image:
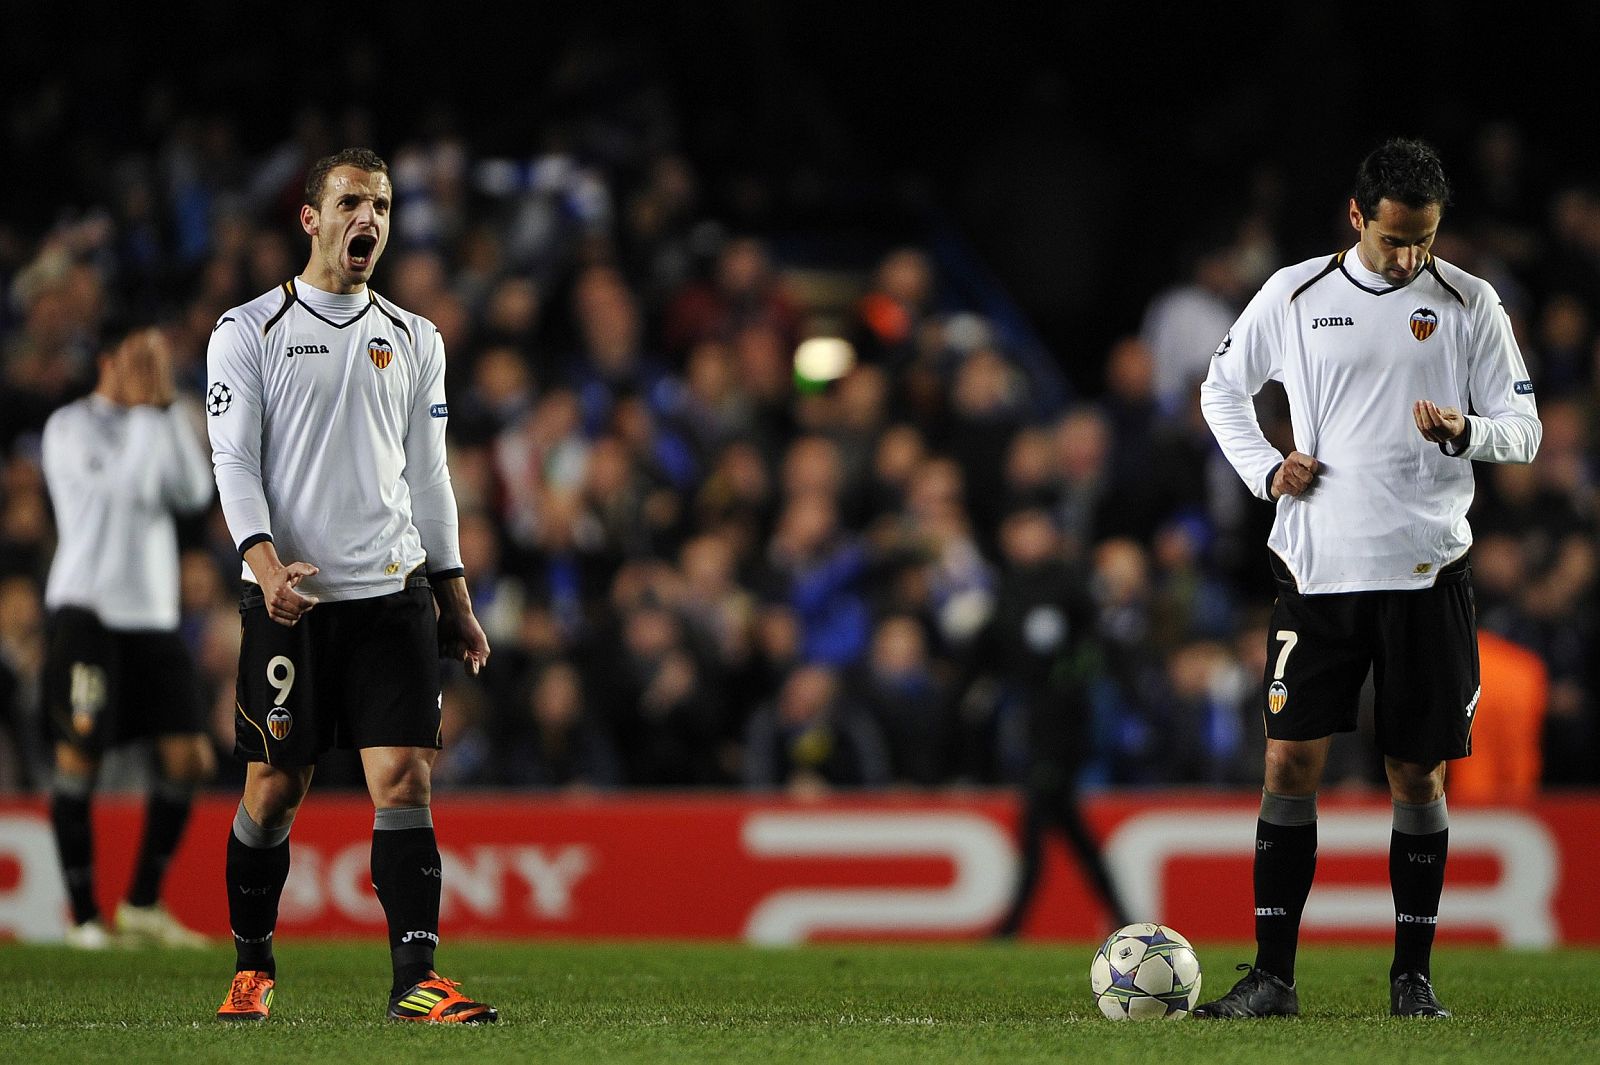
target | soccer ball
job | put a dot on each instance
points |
(1143, 972)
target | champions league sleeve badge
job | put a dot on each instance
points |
(219, 397)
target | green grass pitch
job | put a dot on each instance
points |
(653, 1002)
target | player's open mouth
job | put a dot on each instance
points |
(361, 249)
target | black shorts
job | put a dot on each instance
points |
(358, 673)
(104, 688)
(1421, 646)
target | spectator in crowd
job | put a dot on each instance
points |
(21, 661)
(898, 689)
(560, 747)
(744, 291)
(816, 570)
(892, 311)
(811, 741)
(650, 691)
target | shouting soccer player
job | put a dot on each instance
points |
(1381, 349)
(327, 415)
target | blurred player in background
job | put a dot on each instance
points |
(327, 415)
(1042, 642)
(119, 464)
(1381, 349)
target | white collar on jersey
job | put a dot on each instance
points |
(334, 305)
(1357, 271)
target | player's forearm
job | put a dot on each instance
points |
(433, 512)
(244, 503)
(1510, 436)
(263, 560)
(452, 595)
(1232, 418)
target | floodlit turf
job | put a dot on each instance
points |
(680, 1003)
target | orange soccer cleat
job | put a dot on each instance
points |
(249, 999)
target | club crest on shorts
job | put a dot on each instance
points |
(381, 352)
(1423, 322)
(279, 722)
(1277, 697)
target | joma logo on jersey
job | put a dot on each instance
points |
(1325, 323)
(305, 349)
(380, 351)
(1424, 321)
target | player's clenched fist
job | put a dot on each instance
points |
(1295, 475)
(285, 603)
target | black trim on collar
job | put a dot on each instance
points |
(1378, 291)
(1333, 264)
(288, 301)
(392, 317)
(337, 325)
(1432, 268)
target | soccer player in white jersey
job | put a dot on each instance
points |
(327, 417)
(119, 464)
(1400, 371)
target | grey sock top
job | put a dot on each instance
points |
(1288, 810)
(253, 835)
(1421, 818)
(395, 818)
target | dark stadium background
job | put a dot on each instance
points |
(1063, 167)
(1064, 163)
(1079, 147)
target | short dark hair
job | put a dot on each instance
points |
(360, 158)
(120, 324)
(1404, 170)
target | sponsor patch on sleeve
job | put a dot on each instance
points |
(1523, 388)
(440, 410)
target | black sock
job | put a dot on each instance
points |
(1286, 861)
(166, 814)
(69, 816)
(407, 878)
(256, 871)
(1416, 876)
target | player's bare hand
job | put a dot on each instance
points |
(462, 639)
(1442, 425)
(1295, 476)
(286, 604)
(144, 366)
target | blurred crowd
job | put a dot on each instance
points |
(700, 568)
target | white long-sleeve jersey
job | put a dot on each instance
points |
(1388, 509)
(327, 417)
(116, 476)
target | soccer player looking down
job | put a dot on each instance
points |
(1383, 350)
(327, 415)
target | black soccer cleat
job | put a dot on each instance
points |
(439, 1001)
(1411, 995)
(1257, 994)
